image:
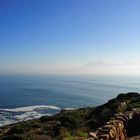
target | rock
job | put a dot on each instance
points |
(92, 135)
(104, 137)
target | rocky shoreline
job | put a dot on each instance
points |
(114, 120)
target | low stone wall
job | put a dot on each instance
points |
(115, 128)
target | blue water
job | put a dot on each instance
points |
(32, 91)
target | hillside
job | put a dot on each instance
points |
(76, 124)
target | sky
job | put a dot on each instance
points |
(70, 36)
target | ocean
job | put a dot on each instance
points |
(24, 97)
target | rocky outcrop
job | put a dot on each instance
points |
(116, 127)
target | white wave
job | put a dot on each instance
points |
(31, 108)
(22, 117)
(69, 108)
(14, 115)
(30, 115)
(6, 122)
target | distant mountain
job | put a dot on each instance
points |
(100, 67)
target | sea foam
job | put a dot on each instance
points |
(14, 115)
(31, 108)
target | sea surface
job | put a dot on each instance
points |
(24, 97)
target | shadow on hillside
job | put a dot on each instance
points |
(133, 127)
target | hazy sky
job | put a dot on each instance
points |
(42, 35)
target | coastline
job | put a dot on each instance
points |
(71, 124)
